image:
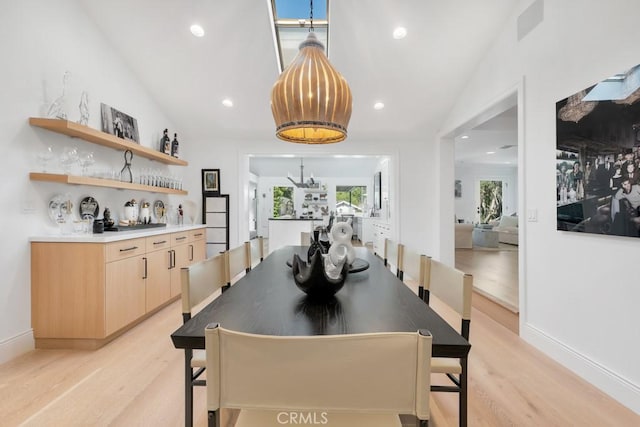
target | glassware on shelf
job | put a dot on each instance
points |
(86, 159)
(44, 157)
(68, 158)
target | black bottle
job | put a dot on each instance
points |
(174, 145)
(165, 143)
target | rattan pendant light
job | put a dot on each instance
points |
(311, 101)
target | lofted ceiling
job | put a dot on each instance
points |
(492, 142)
(418, 78)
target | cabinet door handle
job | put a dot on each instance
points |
(181, 238)
(145, 267)
(132, 248)
(160, 242)
(198, 234)
(170, 260)
(173, 253)
(191, 254)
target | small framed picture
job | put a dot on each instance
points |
(211, 182)
(458, 188)
(119, 124)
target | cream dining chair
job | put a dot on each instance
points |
(391, 255)
(454, 288)
(305, 238)
(199, 282)
(238, 261)
(412, 268)
(336, 380)
(256, 251)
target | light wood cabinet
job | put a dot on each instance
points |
(158, 274)
(85, 294)
(125, 293)
(187, 248)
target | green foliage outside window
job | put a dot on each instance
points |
(355, 196)
(490, 200)
(282, 201)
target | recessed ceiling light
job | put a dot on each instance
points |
(464, 137)
(197, 30)
(227, 102)
(491, 152)
(399, 33)
(378, 105)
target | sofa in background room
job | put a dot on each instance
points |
(507, 228)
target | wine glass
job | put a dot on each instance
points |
(44, 157)
(68, 158)
(86, 159)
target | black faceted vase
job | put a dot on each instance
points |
(312, 279)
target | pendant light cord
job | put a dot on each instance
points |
(311, 16)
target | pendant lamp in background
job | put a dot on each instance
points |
(311, 101)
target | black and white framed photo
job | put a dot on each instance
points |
(119, 124)
(458, 189)
(211, 182)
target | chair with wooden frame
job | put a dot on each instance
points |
(412, 268)
(327, 379)
(391, 255)
(454, 288)
(199, 281)
(237, 261)
(305, 238)
(256, 251)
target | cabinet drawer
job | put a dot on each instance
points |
(195, 235)
(179, 238)
(125, 249)
(155, 243)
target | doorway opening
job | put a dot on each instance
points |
(486, 163)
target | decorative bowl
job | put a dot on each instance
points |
(312, 278)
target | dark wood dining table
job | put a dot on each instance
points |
(267, 301)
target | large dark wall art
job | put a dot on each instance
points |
(598, 157)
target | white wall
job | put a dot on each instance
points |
(471, 174)
(39, 41)
(576, 305)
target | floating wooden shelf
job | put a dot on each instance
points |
(76, 130)
(98, 182)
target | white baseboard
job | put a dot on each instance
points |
(619, 388)
(16, 346)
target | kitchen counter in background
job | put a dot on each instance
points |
(113, 236)
(286, 231)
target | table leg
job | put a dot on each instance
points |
(463, 392)
(188, 388)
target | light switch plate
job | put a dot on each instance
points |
(532, 215)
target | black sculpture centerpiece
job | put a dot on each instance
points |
(314, 280)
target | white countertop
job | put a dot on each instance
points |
(113, 236)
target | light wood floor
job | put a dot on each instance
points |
(137, 381)
(495, 273)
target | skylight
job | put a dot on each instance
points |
(291, 19)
